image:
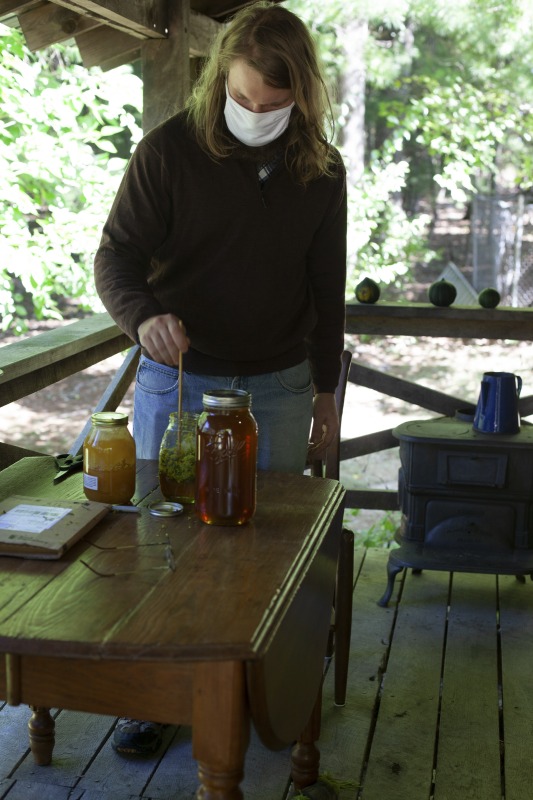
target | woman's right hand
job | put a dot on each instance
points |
(164, 337)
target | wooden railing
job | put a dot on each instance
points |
(37, 362)
(33, 363)
(420, 319)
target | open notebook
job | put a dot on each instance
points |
(32, 527)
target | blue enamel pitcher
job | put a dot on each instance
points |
(497, 407)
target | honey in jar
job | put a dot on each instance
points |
(226, 472)
(109, 459)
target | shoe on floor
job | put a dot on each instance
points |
(138, 738)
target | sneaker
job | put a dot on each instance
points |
(138, 738)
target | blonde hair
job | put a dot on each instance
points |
(276, 43)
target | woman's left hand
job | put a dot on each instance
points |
(325, 425)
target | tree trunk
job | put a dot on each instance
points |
(353, 38)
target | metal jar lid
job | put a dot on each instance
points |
(164, 508)
(226, 398)
(109, 418)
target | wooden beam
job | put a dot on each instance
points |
(202, 31)
(114, 393)
(11, 453)
(166, 69)
(405, 390)
(107, 48)
(144, 18)
(17, 6)
(367, 444)
(36, 362)
(221, 9)
(455, 322)
(377, 499)
(50, 23)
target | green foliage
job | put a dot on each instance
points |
(462, 129)
(379, 534)
(62, 153)
(447, 112)
(383, 241)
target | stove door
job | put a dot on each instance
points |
(470, 525)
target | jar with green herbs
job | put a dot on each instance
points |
(177, 458)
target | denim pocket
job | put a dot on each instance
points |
(296, 379)
(155, 378)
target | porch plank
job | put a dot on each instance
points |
(14, 743)
(468, 761)
(401, 752)
(5, 787)
(345, 730)
(77, 737)
(516, 625)
(123, 778)
(38, 791)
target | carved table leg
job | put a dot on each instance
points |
(220, 729)
(41, 728)
(305, 757)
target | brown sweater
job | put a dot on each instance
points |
(256, 274)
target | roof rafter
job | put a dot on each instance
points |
(143, 18)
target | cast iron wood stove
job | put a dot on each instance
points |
(466, 500)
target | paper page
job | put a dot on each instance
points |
(32, 519)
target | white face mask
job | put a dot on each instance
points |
(255, 129)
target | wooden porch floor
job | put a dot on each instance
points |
(440, 707)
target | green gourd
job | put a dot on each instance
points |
(367, 291)
(442, 293)
(489, 297)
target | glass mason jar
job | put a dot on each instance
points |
(109, 459)
(226, 474)
(177, 458)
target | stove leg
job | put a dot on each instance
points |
(520, 578)
(392, 571)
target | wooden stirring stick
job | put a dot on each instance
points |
(180, 368)
(180, 371)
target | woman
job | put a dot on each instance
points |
(227, 243)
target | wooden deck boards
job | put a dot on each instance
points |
(439, 707)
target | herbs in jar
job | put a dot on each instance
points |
(177, 458)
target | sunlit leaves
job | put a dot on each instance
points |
(65, 135)
(449, 88)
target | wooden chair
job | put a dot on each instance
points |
(340, 633)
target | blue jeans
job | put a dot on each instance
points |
(282, 404)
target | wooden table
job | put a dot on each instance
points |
(236, 633)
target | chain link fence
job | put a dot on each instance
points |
(502, 247)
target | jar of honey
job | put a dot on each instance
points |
(177, 458)
(109, 459)
(226, 472)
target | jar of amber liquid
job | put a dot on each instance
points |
(226, 471)
(109, 459)
(177, 458)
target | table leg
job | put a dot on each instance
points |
(220, 729)
(42, 739)
(305, 758)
